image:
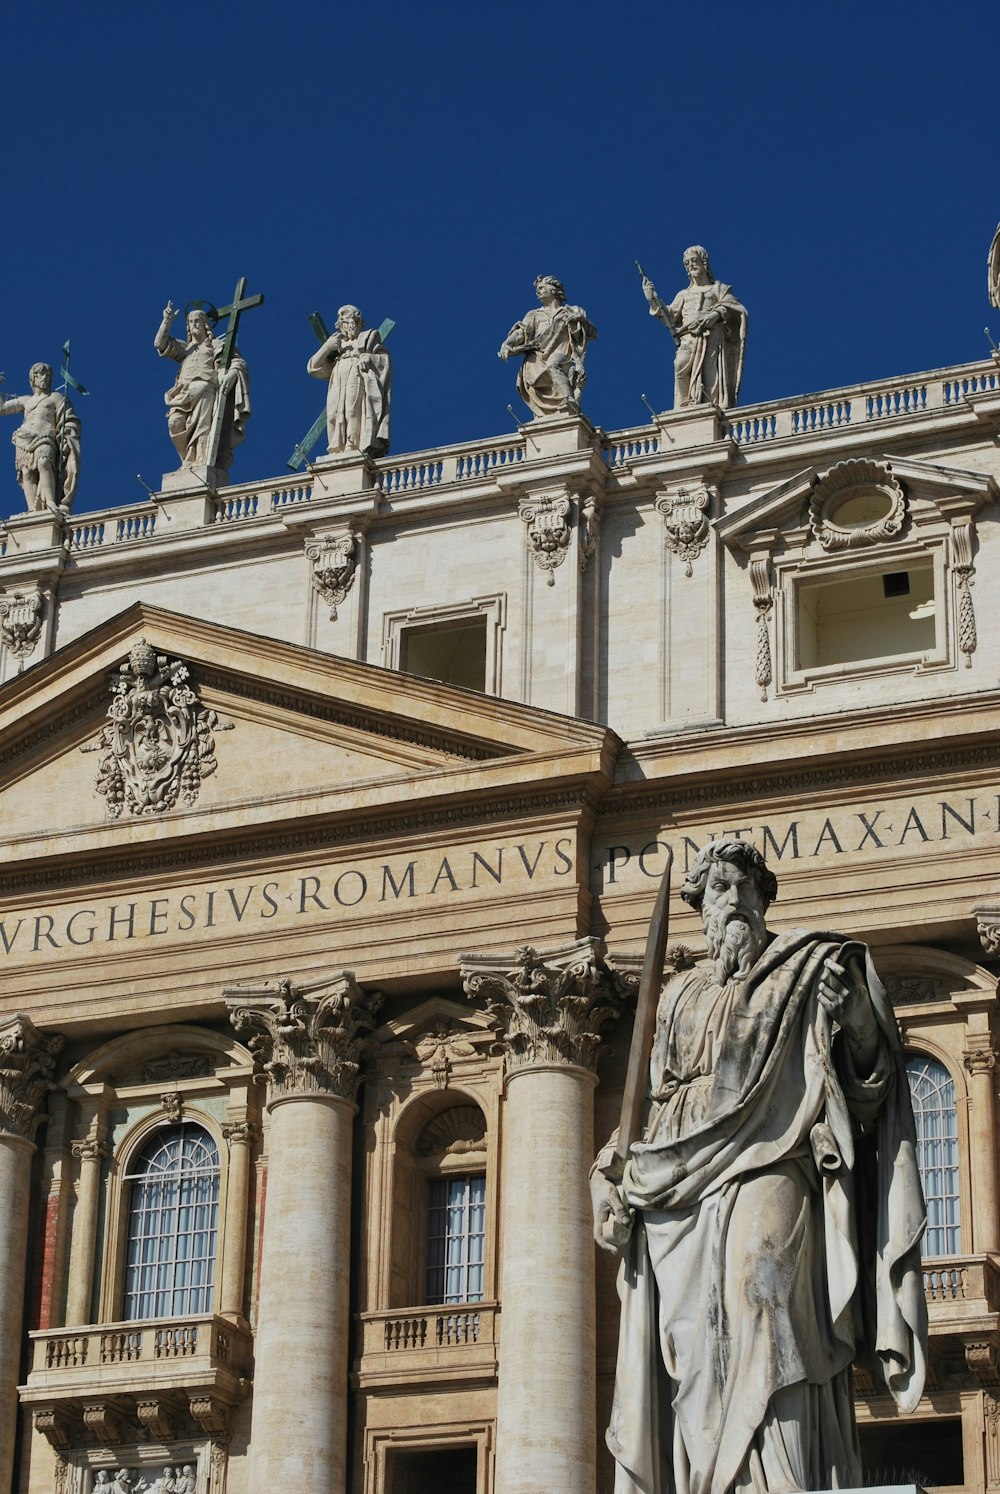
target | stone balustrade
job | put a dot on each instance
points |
(429, 1343)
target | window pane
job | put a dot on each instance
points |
(933, 1093)
(172, 1225)
(456, 1225)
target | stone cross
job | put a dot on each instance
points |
(240, 303)
(300, 455)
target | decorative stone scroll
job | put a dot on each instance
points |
(22, 614)
(158, 745)
(548, 531)
(27, 1064)
(987, 916)
(548, 1008)
(836, 510)
(332, 564)
(306, 1042)
(964, 570)
(685, 519)
(590, 529)
(763, 600)
(979, 1061)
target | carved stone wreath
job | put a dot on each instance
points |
(837, 486)
(158, 745)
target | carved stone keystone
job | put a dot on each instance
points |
(27, 1064)
(306, 1041)
(551, 1007)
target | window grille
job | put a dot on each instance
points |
(933, 1093)
(173, 1217)
(456, 1233)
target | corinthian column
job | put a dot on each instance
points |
(308, 1043)
(550, 1010)
(981, 1066)
(27, 1062)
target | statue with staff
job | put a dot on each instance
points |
(764, 1194)
(209, 403)
(709, 328)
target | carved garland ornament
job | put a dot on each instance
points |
(332, 562)
(685, 519)
(964, 570)
(21, 617)
(158, 745)
(548, 532)
(308, 1044)
(763, 601)
(590, 530)
(835, 489)
(549, 1009)
(27, 1064)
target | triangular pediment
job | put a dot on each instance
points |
(784, 507)
(155, 725)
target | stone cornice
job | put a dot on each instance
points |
(548, 1008)
(27, 1064)
(306, 1041)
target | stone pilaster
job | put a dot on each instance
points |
(980, 1064)
(549, 1010)
(90, 1153)
(240, 1137)
(27, 1066)
(308, 1044)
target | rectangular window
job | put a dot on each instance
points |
(873, 615)
(454, 654)
(456, 1234)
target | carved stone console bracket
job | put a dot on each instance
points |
(214, 1416)
(333, 560)
(54, 1426)
(27, 1065)
(158, 745)
(987, 916)
(982, 1360)
(306, 1040)
(548, 531)
(964, 570)
(685, 520)
(763, 600)
(159, 1418)
(103, 1422)
(551, 1007)
(22, 614)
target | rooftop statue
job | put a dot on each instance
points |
(359, 394)
(709, 326)
(46, 444)
(552, 340)
(209, 404)
(770, 1210)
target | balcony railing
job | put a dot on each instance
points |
(430, 1343)
(197, 1353)
(962, 1292)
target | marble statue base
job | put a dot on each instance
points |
(191, 477)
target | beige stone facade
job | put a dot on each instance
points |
(308, 783)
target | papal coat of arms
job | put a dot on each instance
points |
(157, 745)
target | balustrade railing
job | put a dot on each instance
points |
(432, 1329)
(203, 1343)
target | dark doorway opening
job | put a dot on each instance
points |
(928, 1453)
(441, 1470)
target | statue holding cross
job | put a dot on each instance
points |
(209, 404)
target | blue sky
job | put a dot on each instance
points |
(427, 161)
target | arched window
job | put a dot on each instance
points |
(173, 1217)
(933, 1092)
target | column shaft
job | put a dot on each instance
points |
(299, 1427)
(984, 1155)
(80, 1287)
(15, 1184)
(546, 1398)
(235, 1238)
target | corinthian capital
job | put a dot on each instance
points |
(305, 1040)
(27, 1063)
(979, 1060)
(548, 1008)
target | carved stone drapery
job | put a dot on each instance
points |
(158, 745)
(548, 1008)
(685, 519)
(964, 570)
(836, 488)
(548, 531)
(306, 1041)
(763, 600)
(590, 530)
(27, 1065)
(22, 614)
(332, 561)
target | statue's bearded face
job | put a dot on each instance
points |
(732, 915)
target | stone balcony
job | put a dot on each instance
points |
(165, 1374)
(429, 1345)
